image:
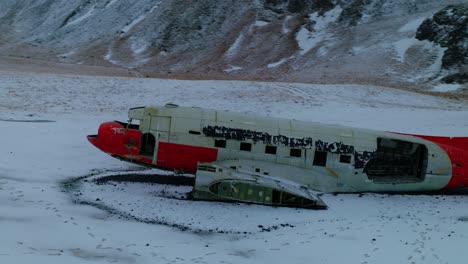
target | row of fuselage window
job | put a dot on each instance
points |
(320, 157)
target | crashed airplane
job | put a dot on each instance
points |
(263, 160)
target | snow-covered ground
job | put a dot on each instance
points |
(44, 119)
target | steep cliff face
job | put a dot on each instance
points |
(449, 29)
(291, 40)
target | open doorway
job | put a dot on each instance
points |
(397, 161)
(148, 143)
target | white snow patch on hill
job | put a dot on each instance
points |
(445, 87)
(402, 46)
(67, 54)
(109, 56)
(133, 23)
(260, 23)
(231, 52)
(278, 63)
(307, 39)
(436, 64)
(323, 21)
(111, 3)
(285, 28)
(138, 47)
(233, 68)
(83, 17)
(412, 25)
(138, 19)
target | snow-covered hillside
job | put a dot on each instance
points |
(44, 119)
(328, 41)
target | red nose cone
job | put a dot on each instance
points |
(93, 140)
(110, 138)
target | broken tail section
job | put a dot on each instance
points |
(457, 150)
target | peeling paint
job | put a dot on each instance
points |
(335, 147)
(263, 137)
(118, 130)
(360, 159)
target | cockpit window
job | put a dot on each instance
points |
(133, 124)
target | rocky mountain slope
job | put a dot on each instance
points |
(415, 42)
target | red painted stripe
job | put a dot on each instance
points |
(183, 157)
(457, 150)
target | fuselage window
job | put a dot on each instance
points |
(295, 153)
(133, 124)
(148, 143)
(320, 158)
(270, 150)
(220, 143)
(345, 158)
(245, 146)
(193, 132)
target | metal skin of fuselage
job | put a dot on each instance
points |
(319, 157)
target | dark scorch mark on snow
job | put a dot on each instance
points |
(26, 121)
(145, 178)
(73, 187)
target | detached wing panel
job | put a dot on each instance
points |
(215, 182)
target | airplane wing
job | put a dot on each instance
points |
(215, 181)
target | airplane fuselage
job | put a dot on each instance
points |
(324, 158)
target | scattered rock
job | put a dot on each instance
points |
(461, 77)
(448, 29)
(354, 12)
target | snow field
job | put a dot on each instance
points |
(40, 222)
